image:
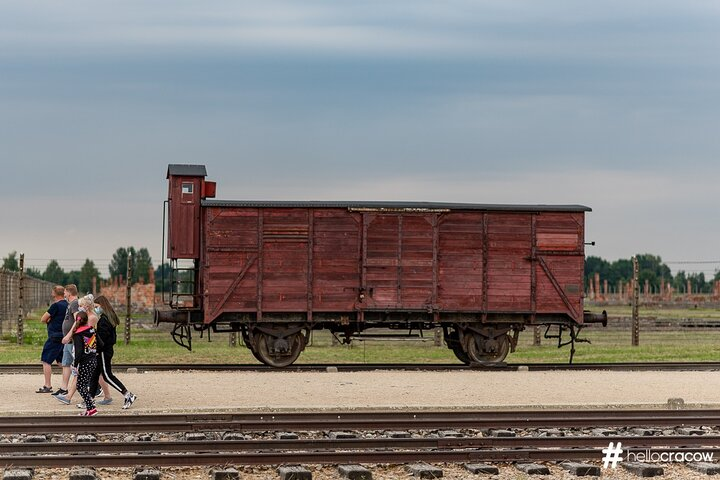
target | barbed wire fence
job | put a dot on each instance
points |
(19, 295)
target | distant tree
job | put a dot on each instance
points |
(143, 264)
(162, 278)
(595, 265)
(73, 276)
(118, 264)
(652, 269)
(680, 281)
(33, 272)
(87, 272)
(11, 262)
(54, 273)
(698, 283)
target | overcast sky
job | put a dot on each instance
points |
(613, 104)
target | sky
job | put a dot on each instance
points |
(614, 105)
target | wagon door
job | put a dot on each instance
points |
(398, 261)
(559, 265)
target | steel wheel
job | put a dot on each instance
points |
(278, 352)
(453, 341)
(483, 350)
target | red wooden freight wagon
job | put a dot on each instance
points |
(276, 270)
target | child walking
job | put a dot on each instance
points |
(86, 343)
(106, 329)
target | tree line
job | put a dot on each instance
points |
(83, 278)
(650, 268)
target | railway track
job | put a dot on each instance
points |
(420, 420)
(361, 367)
(377, 448)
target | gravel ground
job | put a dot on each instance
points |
(166, 392)
(380, 472)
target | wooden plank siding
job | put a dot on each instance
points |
(306, 260)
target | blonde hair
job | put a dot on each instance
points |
(71, 289)
(87, 302)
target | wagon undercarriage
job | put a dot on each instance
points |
(279, 343)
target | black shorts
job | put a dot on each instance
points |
(52, 351)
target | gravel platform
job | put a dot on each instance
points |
(188, 391)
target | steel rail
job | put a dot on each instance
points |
(321, 457)
(362, 367)
(420, 420)
(324, 444)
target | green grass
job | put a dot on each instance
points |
(154, 345)
(666, 312)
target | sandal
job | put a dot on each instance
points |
(44, 389)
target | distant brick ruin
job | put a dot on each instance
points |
(142, 297)
(621, 293)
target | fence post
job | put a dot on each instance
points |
(537, 336)
(635, 305)
(128, 299)
(3, 310)
(20, 324)
(437, 337)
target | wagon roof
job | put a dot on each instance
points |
(176, 169)
(418, 206)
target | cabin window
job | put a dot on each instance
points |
(187, 188)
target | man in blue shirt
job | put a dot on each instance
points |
(53, 348)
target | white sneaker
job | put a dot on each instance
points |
(129, 400)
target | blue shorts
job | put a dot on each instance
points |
(68, 355)
(52, 351)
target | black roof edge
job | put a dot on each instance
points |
(419, 206)
(184, 170)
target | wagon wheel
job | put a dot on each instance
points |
(486, 350)
(249, 345)
(453, 341)
(278, 352)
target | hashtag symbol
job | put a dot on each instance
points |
(612, 455)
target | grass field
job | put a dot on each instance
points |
(154, 345)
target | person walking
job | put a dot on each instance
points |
(86, 343)
(85, 304)
(71, 296)
(52, 351)
(107, 331)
